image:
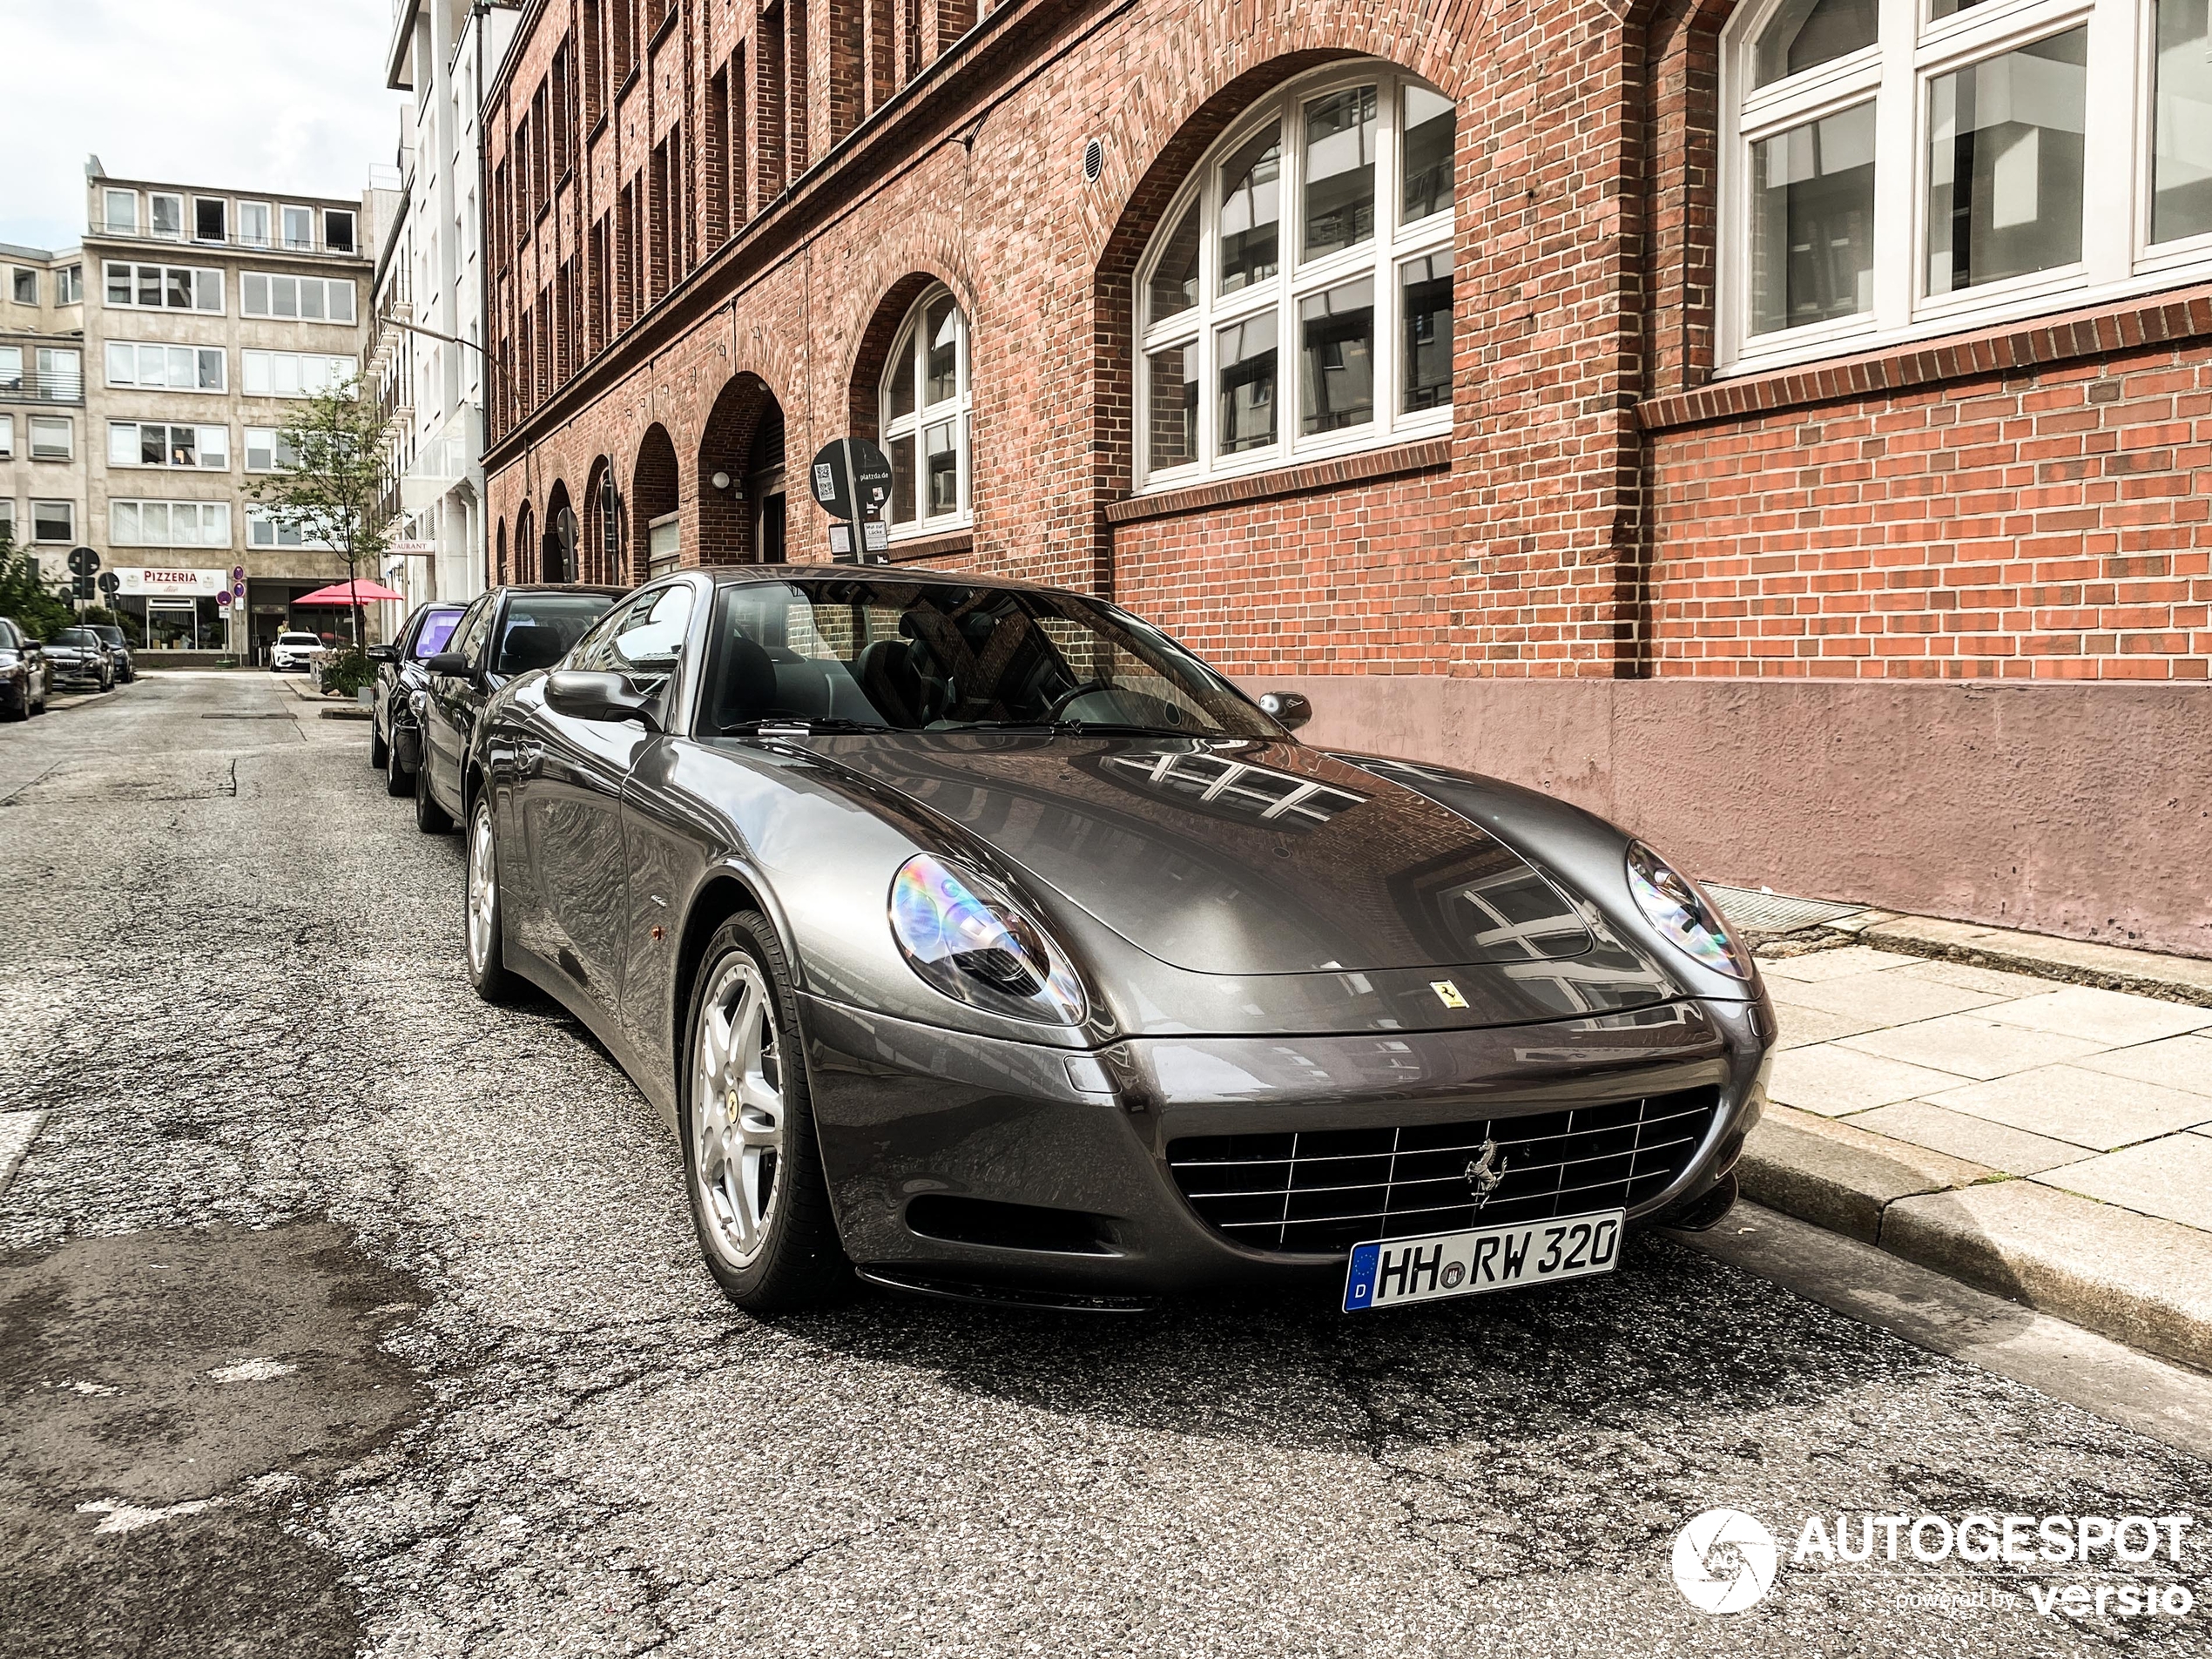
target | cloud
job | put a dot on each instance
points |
(254, 95)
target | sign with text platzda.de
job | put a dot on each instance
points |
(156, 582)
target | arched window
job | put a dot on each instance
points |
(1297, 302)
(925, 406)
(1892, 171)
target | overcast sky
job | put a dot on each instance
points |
(275, 95)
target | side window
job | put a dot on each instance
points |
(647, 644)
(595, 652)
(436, 630)
(475, 626)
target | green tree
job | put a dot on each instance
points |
(27, 595)
(329, 486)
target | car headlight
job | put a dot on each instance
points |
(1678, 907)
(963, 933)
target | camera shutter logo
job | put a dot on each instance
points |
(1724, 1561)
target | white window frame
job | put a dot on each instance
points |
(267, 437)
(7, 437)
(2117, 261)
(331, 287)
(324, 215)
(8, 517)
(267, 237)
(334, 370)
(66, 536)
(109, 200)
(1380, 257)
(211, 521)
(134, 446)
(68, 284)
(206, 281)
(15, 274)
(909, 355)
(223, 202)
(68, 426)
(154, 199)
(264, 531)
(195, 353)
(283, 237)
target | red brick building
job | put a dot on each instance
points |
(1785, 426)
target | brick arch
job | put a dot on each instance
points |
(560, 516)
(744, 406)
(498, 572)
(656, 487)
(594, 563)
(871, 350)
(526, 566)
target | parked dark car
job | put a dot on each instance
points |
(505, 632)
(118, 648)
(81, 657)
(980, 938)
(26, 675)
(396, 739)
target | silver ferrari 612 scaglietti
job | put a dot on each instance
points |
(976, 938)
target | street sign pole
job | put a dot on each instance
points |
(851, 479)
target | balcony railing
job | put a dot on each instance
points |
(272, 243)
(29, 385)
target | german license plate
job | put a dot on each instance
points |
(1392, 1272)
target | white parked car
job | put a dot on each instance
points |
(294, 651)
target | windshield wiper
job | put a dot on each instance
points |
(799, 726)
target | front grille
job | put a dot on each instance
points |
(1328, 1190)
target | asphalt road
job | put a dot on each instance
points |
(340, 1312)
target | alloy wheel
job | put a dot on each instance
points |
(737, 1114)
(484, 888)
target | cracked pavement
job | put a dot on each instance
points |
(340, 1312)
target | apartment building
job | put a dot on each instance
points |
(1742, 418)
(209, 313)
(42, 431)
(426, 363)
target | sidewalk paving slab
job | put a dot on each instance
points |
(2170, 1178)
(1973, 1045)
(1977, 1140)
(2091, 1109)
(1831, 1080)
(2113, 1018)
(2171, 1063)
(1887, 997)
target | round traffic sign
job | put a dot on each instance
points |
(238, 574)
(223, 600)
(851, 478)
(110, 582)
(83, 561)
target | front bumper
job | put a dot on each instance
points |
(962, 1159)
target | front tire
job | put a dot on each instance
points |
(430, 818)
(751, 1164)
(379, 753)
(487, 953)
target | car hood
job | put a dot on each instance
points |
(1237, 857)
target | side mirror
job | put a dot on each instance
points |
(1289, 709)
(446, 662)
(383, 654)
(583, 695)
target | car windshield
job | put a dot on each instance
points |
(298, 639)
(80, 636)
(113, 635)
(540, 628)
(437, 628)
(878, 654)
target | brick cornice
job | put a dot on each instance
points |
(2125, 326)
(1424, 456)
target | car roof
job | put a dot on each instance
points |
(509, 588)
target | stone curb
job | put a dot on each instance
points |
(2134, 1278)
(2110, 968)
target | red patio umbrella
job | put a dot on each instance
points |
(348, 593)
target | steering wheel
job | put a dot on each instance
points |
(1071, 694)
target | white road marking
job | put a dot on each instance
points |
(18, 1130)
